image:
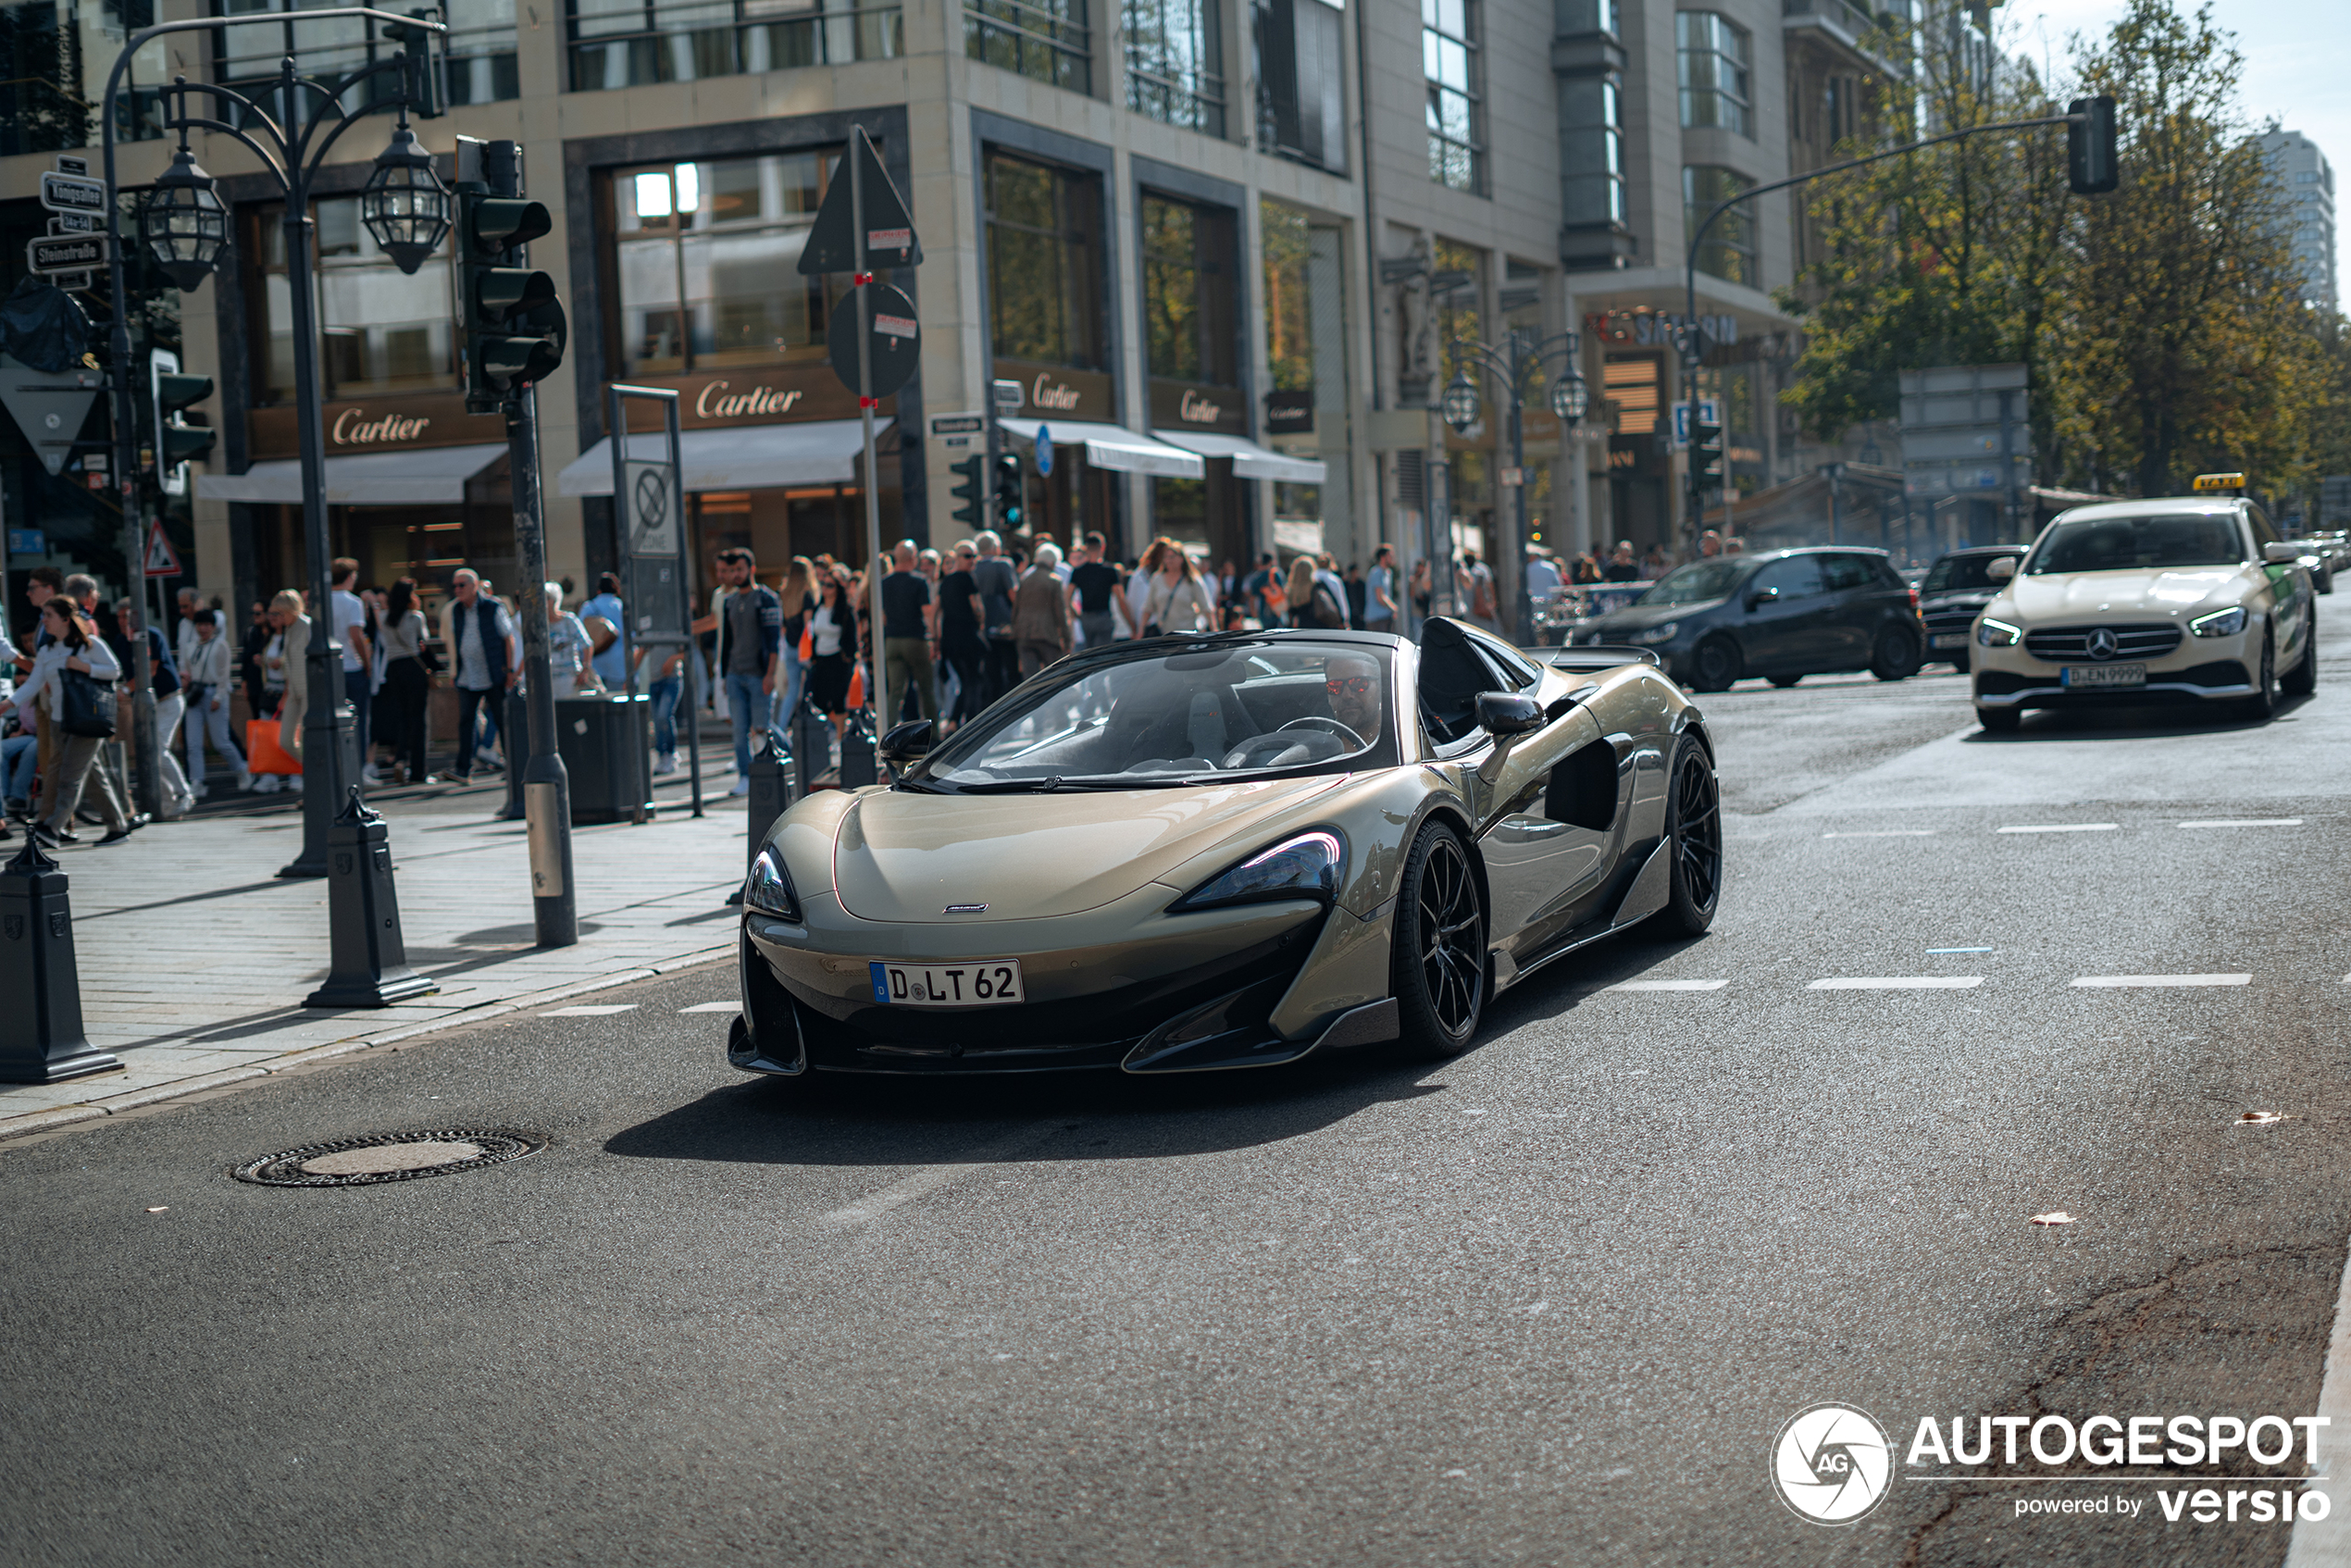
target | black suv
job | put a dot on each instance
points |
(1956, 589)
(1782, 615)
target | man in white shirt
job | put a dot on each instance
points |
(349, 626)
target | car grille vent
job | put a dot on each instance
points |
(2149, 641)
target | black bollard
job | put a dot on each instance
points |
(369, 965)
(812, 744)
(773, 780)
(858, 766)
(46, 1045)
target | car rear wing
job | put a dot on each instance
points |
(1592, 656)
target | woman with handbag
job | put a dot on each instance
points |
(72, 679)
(408, 683)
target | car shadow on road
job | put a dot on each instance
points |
(2133, 722)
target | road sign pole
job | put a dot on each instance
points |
(865, 401)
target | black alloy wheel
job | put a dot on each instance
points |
(2304, 678)
(1783, 681)
(1715, 666)
(1694, 831)
(1439, 971)
(2262, 706)
(1896, 658)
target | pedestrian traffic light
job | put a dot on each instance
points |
(1010, 493)
(2090, 164)
(968, 492)
(1705, 447)
(514, 326)
(177, 441)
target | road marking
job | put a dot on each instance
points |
(2247, 821)
(1887, 833)
(2111, 981)
(588, 1011)
(2063, 828)
(1668, 986)
(898, 1194)
(2326, 1543)
(1900, 983)
(714, 1007)
(1935, 949)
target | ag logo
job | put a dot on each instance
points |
(1832, 1464)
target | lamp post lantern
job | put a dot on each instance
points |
(1516, 363)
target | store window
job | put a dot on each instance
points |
(382, 331)
(1286, 241)
(1044, 40)
(1189, 309)
(1715, 63)
(627, 43)
(707, 262)
(1729, 250)
(1175, 63)
(1448, 62)
(1044, 264)
(479, 44)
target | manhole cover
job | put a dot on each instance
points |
(392, 1156)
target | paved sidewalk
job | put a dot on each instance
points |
(194, 957)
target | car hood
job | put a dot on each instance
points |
(1958, 598)
(1640, 618)
(2165, 594)
(899, 855)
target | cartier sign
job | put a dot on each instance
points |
(720, 400)
(355, 427)
(750, 395)
(404, 423)
(1186, 405)
(1050, 391)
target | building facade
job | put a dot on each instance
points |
(2305, 185)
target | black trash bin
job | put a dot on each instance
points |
(606, 743)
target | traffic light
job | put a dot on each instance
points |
(968, 492)
(177, 441)
(1010, 493)
(512, 325)
(2090, 164)
(1705, 447)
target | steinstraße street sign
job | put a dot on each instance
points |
(65, 252)
(890, 230)
(72, 193)
(897, 340)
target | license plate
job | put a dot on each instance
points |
(1947, 639)
(988, 983)
(2103, 675)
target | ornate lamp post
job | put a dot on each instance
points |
(1515, 364)
(184, 226)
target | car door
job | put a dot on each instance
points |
(1859, 599)
(2289, 590)
(1785, 624)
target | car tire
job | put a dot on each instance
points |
(1783, 681)
(1694, 841)
(1999, 721)
(1439, 969)
(1896, 658)
(2262, 706)
(2304, 679)
(1960, 663)
(1715, 666)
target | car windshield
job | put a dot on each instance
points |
(2158, 542)
(1696, 583)
(1958, 574)
(1178, 714)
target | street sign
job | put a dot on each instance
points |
(1712, 409)
(1512, 478)
(73, 223)
(1044, 449)
(49, 406)
(28, 541)
(652, 522)
(1008, 396)
(65, 252)
(73, 282)
(72, 193)
(890, 230)
(958, 424)
(896, 340)
(162, 559)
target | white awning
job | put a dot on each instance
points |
(424, 477)
(737, 457)
(1114, 446)
(1251, 461)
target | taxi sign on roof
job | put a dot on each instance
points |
(2218, 482)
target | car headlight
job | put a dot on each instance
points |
(1305, 867)
(1997, 634)
(768, 889)
(1656, 633)
(2220, 623)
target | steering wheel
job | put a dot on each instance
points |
(1316, 721)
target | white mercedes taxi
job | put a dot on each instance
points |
(2193, 599)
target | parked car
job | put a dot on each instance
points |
(2318, 558)
(1954, 590)
(1782, 615)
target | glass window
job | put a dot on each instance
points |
(1842, 573)
(2164, 540)
(1286, 239)
(1797, 577)
(1592, 148)
(1958, 574)
(1188, 317)
(382, 331)
(480, 45)
(626, 43)
(1448, 62)
(1301, 81)
(1046, 40)
(1044, 263)
(1729, 251)
(1700, 582)
(705, 260)
(1175, 63)
(1715, 59)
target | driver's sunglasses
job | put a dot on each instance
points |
(1348, 685)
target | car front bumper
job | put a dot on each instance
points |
(2201, 669)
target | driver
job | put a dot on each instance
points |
(1352, 683)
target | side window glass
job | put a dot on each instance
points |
(1512, 673)
(1799, 577)
(1451, 677)
(2262, 532)
(1841, 573)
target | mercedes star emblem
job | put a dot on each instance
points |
(2104, 644)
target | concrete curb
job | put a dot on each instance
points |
(68, 1115)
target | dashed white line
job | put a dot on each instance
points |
(1899, 983)
(898, 1194)
(605, 1011)
(1668, 986)
(2061, 828)
(2247, 821)
(714, 1007)
(1887, 833)
(2108, 982)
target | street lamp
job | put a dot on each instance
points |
(1515, 363)
(183, 223)
(1460, 403)
(405, 206)
(1571, 397)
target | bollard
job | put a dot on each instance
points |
(46, 1045)
(858, 768)
(774, 782)
(812, 744)
(370, 965)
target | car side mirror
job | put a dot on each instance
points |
(1507, 713)
(2001, 569)
(2279, 553)
(906, 742)
(1761, 597)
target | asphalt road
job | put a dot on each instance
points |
(1550, 1303)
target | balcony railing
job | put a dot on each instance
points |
(723, 46)
(1848, 24)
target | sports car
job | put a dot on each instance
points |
(2189, 599)
(1200, 853)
